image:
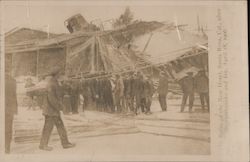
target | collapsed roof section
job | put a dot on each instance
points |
(138, 46)
(141, 46)
(159, 47)
(18, 35)
(96, 56)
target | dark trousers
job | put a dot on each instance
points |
(74, 104)
(126, 103)
(132, 102)
(8, 132)
(67, 105)
(118, 102)
(129, 103)
(204, 97)
(148, 103)
(137, 103)
(98, 103)
(108, 102)
(143, 104)
(163, 101)
(50, 121)
(184, 100)
(140, 103)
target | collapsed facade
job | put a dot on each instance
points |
(89, 51)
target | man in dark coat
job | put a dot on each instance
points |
(143, 95)
(51, 112)
(163, 90)
(132, 83)
(101, 92)
(127, 90)
(94, 92)
(118, 92)
(10, 109)
(201, 87)
(108, 98)
(149, 91)
(74, 96)
(66, 98)
(139, 93)
(83, 92)
(187, 86)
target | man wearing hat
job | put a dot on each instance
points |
(187, 86)
(108, 98)
(163, 90)
(118, 92)
(127, 89)
(140, 97)
(149, 91)
(132, 83)
(201, 87)
(74, 96)
(51, 112)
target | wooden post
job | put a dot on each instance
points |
(66, 55)
(93, 57)
(11, 65)
(37, 62)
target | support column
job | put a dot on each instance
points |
(11, 65)
(66, 48)
(37, 62)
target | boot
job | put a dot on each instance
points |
(68, 145)
(46, 148)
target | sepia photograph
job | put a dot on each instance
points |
(123, 80)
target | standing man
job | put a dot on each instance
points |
(101, 94)
(187, 86)
(132, 83)
(118, 92)
(66, 98)
(10, 108)
(108, 98)
(143, 94)
(202, 88)
(51, 112)
(126, 93)
(139, 93)
(163, 90)
(149, 91)
(74, 97)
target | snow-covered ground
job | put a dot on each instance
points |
(160, 133)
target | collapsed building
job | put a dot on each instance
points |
(89, 51)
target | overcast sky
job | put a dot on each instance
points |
(38, 15)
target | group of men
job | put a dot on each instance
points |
(191, 84)
(133, 92)
(129, 93)
(97, 93)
